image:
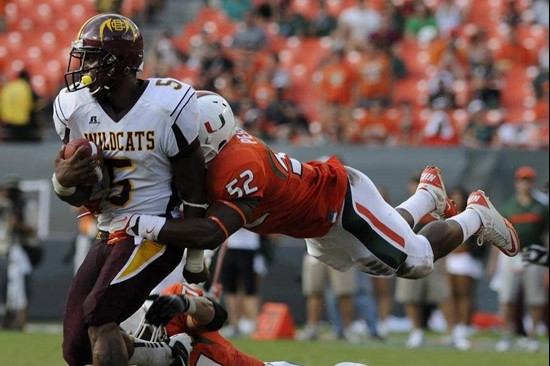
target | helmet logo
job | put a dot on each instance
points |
(209, 128)
(117, 25)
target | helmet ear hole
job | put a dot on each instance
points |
(221, 144)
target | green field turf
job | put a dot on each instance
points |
(42, 349)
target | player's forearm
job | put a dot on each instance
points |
(204, 313)
(192, 233)
(191, 184)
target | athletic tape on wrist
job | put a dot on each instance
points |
(61, 190)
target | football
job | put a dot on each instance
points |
(91, 149)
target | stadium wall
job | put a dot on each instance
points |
(491, 170)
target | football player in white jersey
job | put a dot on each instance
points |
(148, 132)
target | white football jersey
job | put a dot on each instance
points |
(137, 149)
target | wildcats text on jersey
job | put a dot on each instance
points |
(123, 140)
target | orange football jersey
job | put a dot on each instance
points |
(296, 199)
(208, 347)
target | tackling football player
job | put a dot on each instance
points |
(183, 309)
(336, 208)
(148, 132)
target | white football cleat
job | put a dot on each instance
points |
(431, 181)
(495, 229)
(181, 349)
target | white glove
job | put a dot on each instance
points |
(145, 226)
(181, 348)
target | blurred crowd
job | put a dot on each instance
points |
(440, 73)
(383, 72)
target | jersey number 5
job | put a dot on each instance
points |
(246, 178)
(123, 187)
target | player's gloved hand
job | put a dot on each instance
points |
(164, 308)
(145, 226)
(535, 254)
(121, 227)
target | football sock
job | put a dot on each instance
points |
(151, 354)
(419, 205)
(469, 221)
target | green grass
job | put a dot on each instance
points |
(42, 349)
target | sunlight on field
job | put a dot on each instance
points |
(42, 349)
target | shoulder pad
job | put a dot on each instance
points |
(66, 103)
(169, 94)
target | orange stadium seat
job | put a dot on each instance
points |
(211, 14)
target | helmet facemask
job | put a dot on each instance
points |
(93, 68)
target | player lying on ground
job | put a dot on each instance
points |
(176, 312)
(336, 208)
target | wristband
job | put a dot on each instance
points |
(192, 309)
(61, 190)
(195, 260)
(196, 205)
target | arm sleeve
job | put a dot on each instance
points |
(184, 126)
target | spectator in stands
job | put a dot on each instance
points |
(337, 90)
(478, 133)
(373, 127)
(540, 10)
(360, 20)
(465, 268)
(315, 277)
(236, 9)
(286, 114)
(251, 117)
(542, 77)
(448, 16)
(18, 106)
(409, 130)
(251, 36)
(512, 15)
(239, 278)
(440, 87)
(165, 51)
(291, 23)
(486, 81)
(439, 129)
(215, 63)
(375, 78)
(434, 289)
(530, 218)
(324, 23)
(513, 52)
(2, 14)
(478, 49)
(386, 36)
(421, 18)
(280, 77)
